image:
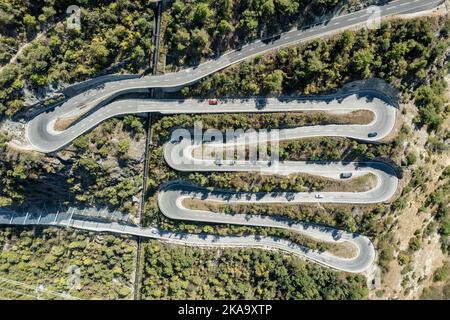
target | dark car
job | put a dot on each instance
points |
(346, 175)
(276, 37)
(372, 134)
(271, 39)
(306, 28)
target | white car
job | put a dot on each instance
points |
(319, 196)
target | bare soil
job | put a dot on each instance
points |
(397, 283)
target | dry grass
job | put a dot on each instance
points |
(64, 123)
(309, 182)
(343, 250)
(355, 117)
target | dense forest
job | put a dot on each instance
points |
(171, 272)
(102, 168)
(45, 261)
(115, 36)
(199, 29)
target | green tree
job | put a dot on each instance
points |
(202, 13)
(273, 82)
(362, 61)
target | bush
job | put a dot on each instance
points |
(443, 273)
(414, 244)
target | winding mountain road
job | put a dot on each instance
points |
(42, 138)
(96, 105)
(179, 154)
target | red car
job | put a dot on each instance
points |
(213, 102)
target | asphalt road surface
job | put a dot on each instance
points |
(42, 137)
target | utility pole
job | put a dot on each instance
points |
(154, 65)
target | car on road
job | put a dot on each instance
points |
(213, 102)
(271, 39)
(319, 196)
(218, 162)
(372, 134)
(346, 175)
(306, 28)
